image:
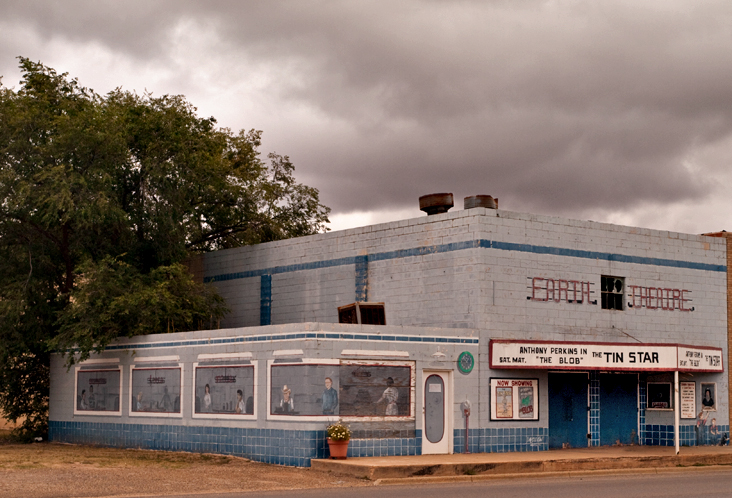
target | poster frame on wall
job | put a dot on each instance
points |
(101, 368)
(166, 366)
(687, 399)
(225, 416)
(514, 413)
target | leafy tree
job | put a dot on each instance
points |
(102, 199)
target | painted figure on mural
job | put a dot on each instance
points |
(83, 405)
(207, 398)
(287, 404)
(92, 399)
(240, 408)
(701, 422)
(390, 396)
(330, 398)
(708, 401)
(165, 403)
(714, 432)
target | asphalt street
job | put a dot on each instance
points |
(684, 483)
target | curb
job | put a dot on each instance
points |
(409, 481)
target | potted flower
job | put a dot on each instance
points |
(338, 436)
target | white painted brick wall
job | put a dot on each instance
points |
(486, 288)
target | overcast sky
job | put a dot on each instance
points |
(611, 111)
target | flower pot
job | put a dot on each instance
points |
(338, 449)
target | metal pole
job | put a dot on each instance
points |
(676, 409)
(467, 417)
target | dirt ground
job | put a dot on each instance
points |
(48, 470)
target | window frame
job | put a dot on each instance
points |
(225, 416)
(102, 368)
(338, 363)
(702, 387)
(617, 295)
(172, 366)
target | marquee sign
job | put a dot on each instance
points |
(506, 354)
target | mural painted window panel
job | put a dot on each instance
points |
(98, 390)
(709, 396)
(224, 389)
(375, 390)
(156, 390)
(304, 390)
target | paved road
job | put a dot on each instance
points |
(682, 484)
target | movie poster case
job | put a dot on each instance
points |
(98, 389)
(225, 388)
(156, 390)
(514, 399)
(349, 390)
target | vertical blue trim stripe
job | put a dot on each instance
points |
(362, 278)
(594, 408)
(265, 300)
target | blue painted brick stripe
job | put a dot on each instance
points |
(470, 244)
(283, 269)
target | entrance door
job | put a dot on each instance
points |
(618, 408)
(436, 418)
(568, 419)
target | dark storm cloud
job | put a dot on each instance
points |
(136, 27)
(558, 106)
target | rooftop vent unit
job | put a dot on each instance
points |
(481, 201)
(362, 313)
(436, 203)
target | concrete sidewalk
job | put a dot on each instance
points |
(495, 464)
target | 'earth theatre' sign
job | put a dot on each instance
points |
(603, 356)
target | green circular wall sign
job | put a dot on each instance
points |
(466, 362)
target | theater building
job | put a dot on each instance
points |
(546, 332)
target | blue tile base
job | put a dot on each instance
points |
(663, 435)
(297, 448)
(277, 446)
(502, 440)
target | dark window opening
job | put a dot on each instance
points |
(611, 292)
(363, 313)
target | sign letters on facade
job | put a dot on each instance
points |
(561, 290)
(604, 356)
(657, 298)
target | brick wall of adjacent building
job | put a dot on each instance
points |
(474, 269)
(728, 241)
